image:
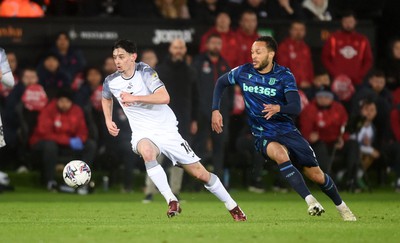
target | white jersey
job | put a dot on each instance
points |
(143, 118)
(4, 65)
(155, 122)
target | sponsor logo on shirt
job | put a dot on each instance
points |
(259, 90)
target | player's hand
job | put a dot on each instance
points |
(270, 110)
(216, 121)
(112, 128)
(127, 99)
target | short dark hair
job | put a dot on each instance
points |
(213, 35)
(269, 41)
(347, 13)
(377, 73)
(127, 45)
(65, 93)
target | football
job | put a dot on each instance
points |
(76, 173)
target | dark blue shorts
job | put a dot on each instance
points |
(300, 151)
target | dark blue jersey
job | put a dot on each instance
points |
(259, 89)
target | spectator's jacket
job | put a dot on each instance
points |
(181, 81)
(245, 42)
(60, 127)
(347, 53)
(327, 122)
(230, 45)
(208, 73)
(71, 63)
(395, 122)
(296, 55)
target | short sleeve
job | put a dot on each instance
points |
(4, 65)
(106, 93)
(151, 79)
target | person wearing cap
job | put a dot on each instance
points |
(61, 130)
(321, 124)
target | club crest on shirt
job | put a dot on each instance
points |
(272, 81)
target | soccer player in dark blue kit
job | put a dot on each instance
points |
(272, 100)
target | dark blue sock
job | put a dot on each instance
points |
(295, 179)
(329, 188)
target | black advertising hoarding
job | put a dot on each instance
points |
(30, 38)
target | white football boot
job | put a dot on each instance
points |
(346, 213)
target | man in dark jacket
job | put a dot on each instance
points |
(209, 66)
(180, 79)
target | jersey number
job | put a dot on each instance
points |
(186, 146)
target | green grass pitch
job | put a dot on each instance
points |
(38, 216)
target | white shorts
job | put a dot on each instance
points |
(171, 144)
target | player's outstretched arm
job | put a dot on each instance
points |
(107, 105)
(216, 117)
(160, 96)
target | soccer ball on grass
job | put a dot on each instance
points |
(76, 173)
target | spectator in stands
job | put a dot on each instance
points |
(318, 10)
(376, 91)
(181, 80)
(347, 52)
(322, 123)
(20, 9)
(209, 66)
(230, 44)
(71, 59)
(51, 77)
(109, 66)
(246, 34)
(294, 53)
(173, 9)
(257, 6)
(5, 90)
(391, 66)
(284, 9)
(321, 79)
(61, 130)
(149, 57)
(23, 105)
(363, 132)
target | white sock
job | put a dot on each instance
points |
(159, 178)
(310, 199)
(341, 206)
(215, 187)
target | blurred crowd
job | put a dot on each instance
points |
(350, 99)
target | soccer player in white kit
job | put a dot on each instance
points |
(7, 79)
(144, 100)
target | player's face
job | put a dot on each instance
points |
(124, 61)
(298, 31)
(261, 56)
